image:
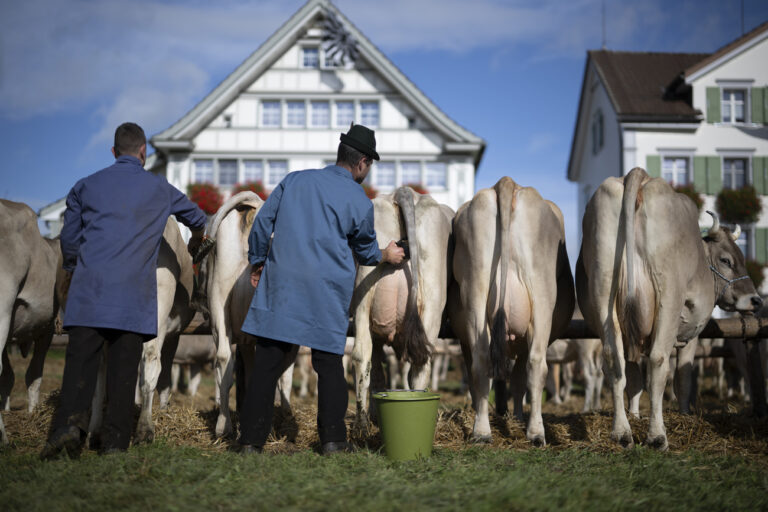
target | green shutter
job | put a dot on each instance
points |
(713, 105)
(765, 104)
(761, 245)
(714, 175)
(653, 166)
(700, 174)
(758, 107)
(758, 174)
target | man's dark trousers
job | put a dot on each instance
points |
(258, 407)
(84, 353)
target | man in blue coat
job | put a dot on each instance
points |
(322, 222)
(113, 226)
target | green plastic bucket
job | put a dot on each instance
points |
(407, 420)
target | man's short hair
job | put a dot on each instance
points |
(348, 155)
(129, 137)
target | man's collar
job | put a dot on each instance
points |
(128, 159)
(340, 170)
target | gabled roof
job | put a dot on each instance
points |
(727, 52)
(180, 134)
(643, 86)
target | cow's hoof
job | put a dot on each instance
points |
(480, 439)
(223, 427)
(658, 443)
(625, 439)
(538, 441)
(144, 436)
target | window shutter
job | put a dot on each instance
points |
(700, 174)
(765, 104)
(653, 166)
(714, 175)
(713, 105)
(761, 245)
(758, 174)
(758, 107)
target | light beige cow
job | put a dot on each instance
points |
(647, 282)
(513, 295)
(401, 306)
(229, 292)
(28, 302)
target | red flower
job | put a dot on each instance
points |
(254, 186)
(206, 195)
(370, 191)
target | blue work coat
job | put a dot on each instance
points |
(321, 220)
(113, 225)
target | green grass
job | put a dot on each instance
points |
(160, 477)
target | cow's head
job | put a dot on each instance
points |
(733, 288)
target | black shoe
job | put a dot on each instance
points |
(336, 447)
(250, 449)
(69, 439)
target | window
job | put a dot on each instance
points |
(733, 105)
(253, 170)
(227, 172)
(296, 113)
(203, 171)
(436, 175)
(310, 58)
(321, 113)
(597, 132)
(277, 171)
(410, 172)
(270, 113)
(385, 174)
(675, 170)
(369, 113)
(734, 173)
(345, 113)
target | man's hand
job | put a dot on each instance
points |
(256, 274)
(194, 242)
(393, 254)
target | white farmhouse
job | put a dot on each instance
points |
(285, 106)
(283, 109)
(690, 118)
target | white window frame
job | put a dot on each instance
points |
(732, 103)
(335, 113)
(217, 166)
(262, 111)
(378, 113)
(194, 170)
(243, 162)
(303, 59)
(747, 168)
(377, 175)
(312, 104)
(287, 109)
(402, 181)
(268, 176)
(688, 163)
(427, 185)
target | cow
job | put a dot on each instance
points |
(175, 277)
(401, 306)
(228, 293)
(28, 301)
(193, 352)
(513, 295)
(647, 282)
(588, 353)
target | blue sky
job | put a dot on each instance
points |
(509, 71)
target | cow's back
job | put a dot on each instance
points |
(29, 270)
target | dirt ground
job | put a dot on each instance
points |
(716, 427)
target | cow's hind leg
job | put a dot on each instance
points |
(7, 379)
(615, 370)
(166, 362)
(34, 375)
(634, 387)
(537, 374)
(148, 377)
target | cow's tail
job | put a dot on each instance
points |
(242, 200)
(505, 198)
(630, 202)
(413, 342)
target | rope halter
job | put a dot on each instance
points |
(727, 281)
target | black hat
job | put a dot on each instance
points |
(362, 139)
